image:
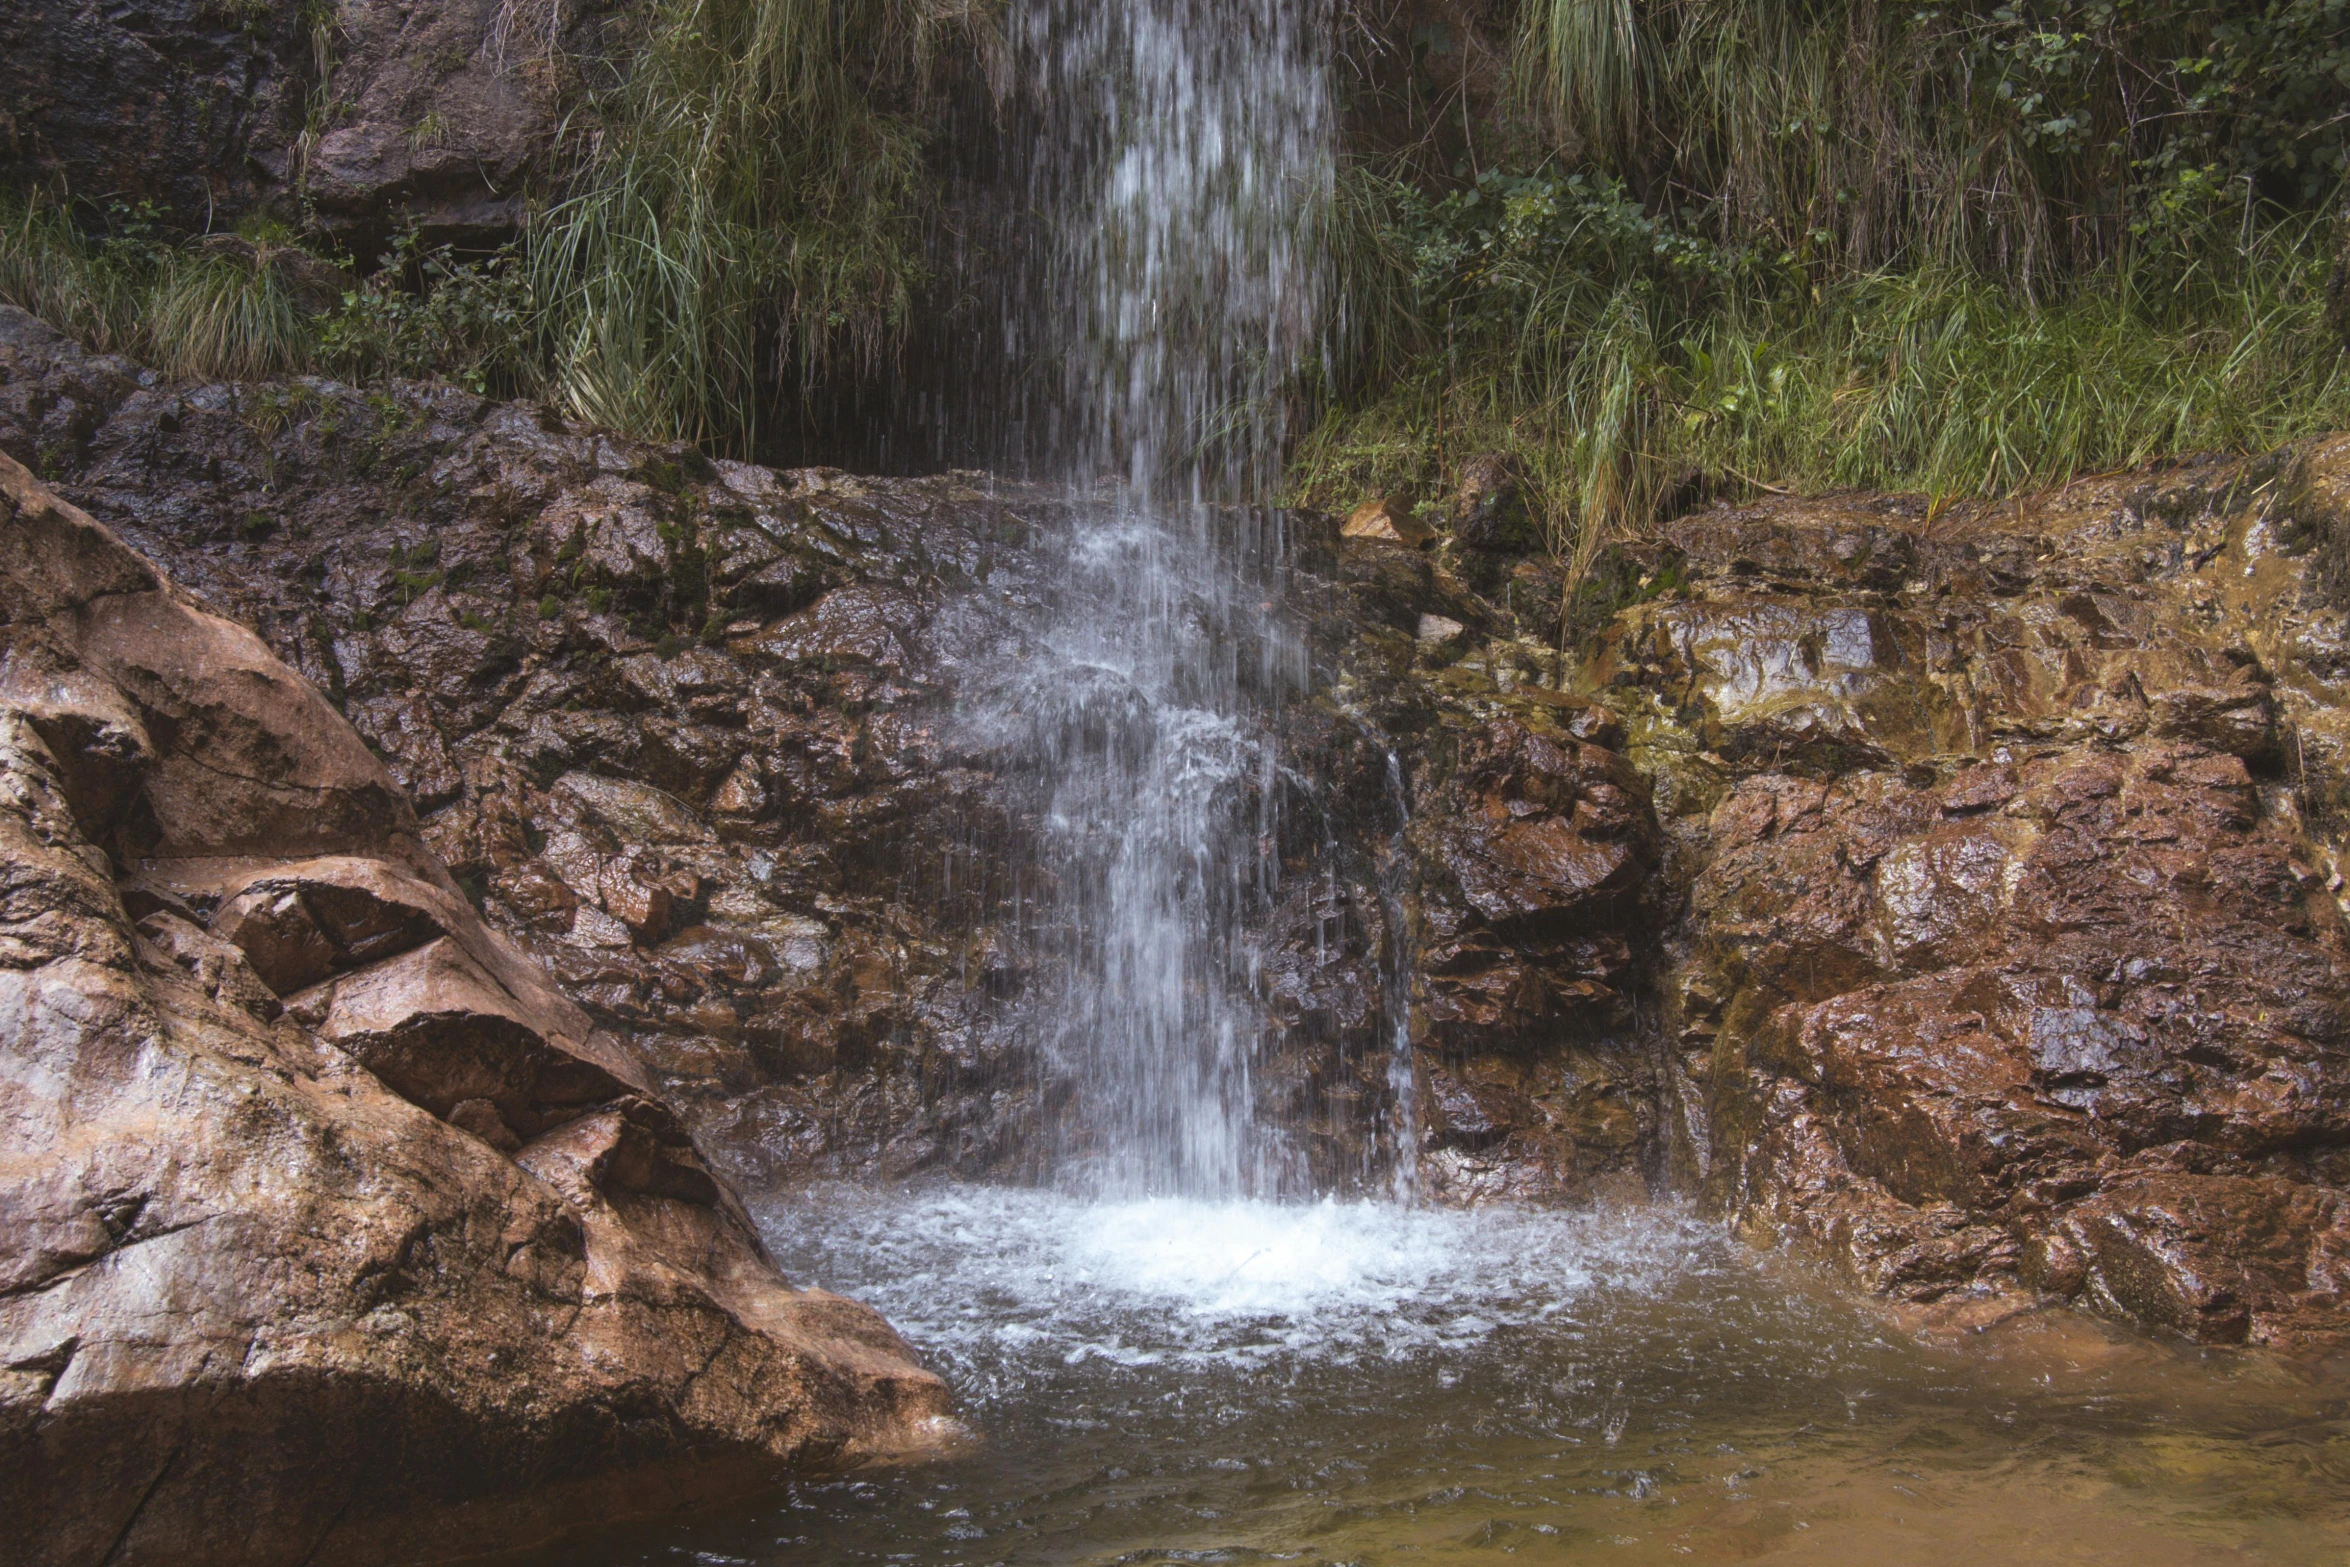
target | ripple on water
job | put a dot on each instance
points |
(1361, 1383)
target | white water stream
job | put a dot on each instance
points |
(1180, 151)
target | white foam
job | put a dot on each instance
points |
(1038, 1274)
(1250, 1259)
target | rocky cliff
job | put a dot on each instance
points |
(2014, 955)
(329, 1228)
(1947, 889)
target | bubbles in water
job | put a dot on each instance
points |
(985, 1271)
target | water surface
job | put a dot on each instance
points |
(1174, 1381)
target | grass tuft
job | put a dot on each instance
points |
(225, 318)
(1617, 362)
(744, 210)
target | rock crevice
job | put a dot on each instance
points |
(280, 1274)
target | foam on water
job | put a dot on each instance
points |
(981, 1272)
(1160, 1380)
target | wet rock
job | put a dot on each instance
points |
(1489, 508)
(280, 1274)
(439, 1031)
(2021, 976)
(2220, 1259)
(444, 113)
(1388, 520)
(158, 104)
(298, 924)
(1905, 881)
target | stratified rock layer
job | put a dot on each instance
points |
(329, 1229)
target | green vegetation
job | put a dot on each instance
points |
(426, 313)
(1955, 246)
(739, 209)
(242, 307)
(2032, 139)
(1961, 246)
(1618, 360)
(743, 210)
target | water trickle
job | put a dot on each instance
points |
(1179, 149)
(1404, 1121)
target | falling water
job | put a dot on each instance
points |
(1180, 148)
(1403, 1132)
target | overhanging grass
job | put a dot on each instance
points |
(743, 209)
(49, 268)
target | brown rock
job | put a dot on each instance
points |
(2221, 1259)
(1967, 864)
(218, 968)
(438, 1030)
(257, 1305)
(1488, 510)
(299, 923)
(1389, 520)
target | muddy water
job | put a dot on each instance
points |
(1237, 1382)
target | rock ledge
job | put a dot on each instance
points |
(329, 1229)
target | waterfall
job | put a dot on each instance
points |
(1182, 151)
(1179, 152)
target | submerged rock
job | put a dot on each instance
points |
(328, 1228)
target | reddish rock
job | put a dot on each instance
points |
(285, 1283)
(1905, 881)
(2221, 1259)
(1388, 520)
(2068, 1016)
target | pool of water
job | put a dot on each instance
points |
(1360, 1383)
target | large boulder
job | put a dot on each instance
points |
(329, 1230)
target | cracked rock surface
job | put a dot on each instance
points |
(330, 1230)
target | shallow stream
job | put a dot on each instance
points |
(1167, 1381)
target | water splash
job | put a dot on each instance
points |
(1246, 1285)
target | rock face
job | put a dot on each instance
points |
(329, 1229)
(689, 731)
(369, 115)
(2016, 962)
(1950, 891)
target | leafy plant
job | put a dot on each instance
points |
(1614, 354)
(2032, 139)
(425, 312)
